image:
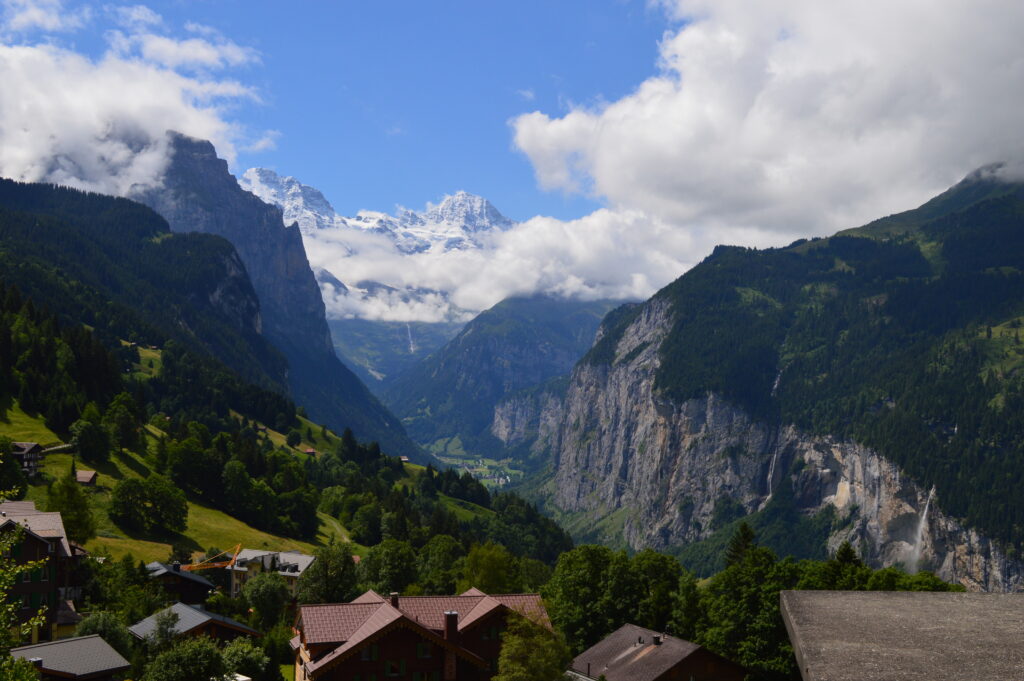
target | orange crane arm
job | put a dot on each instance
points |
(210, 563)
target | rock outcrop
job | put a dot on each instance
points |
(200, 195)
(619, 448)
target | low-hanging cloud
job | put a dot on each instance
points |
(100, 124)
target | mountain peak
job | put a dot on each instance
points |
(300, 203)
(474, 212)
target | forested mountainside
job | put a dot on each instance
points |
(515, 344)
(128, 380)
(839, 387)
(114, 265)
(199, 194)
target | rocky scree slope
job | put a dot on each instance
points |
(867, 387)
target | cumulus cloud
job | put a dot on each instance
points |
(47, 15)
(796, 115)
(100, 124)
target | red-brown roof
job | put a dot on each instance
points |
(352, 624)
(333, 623)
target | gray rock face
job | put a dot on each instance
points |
(619, 448)
(200, 195)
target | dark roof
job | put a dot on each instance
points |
(905, 636)
(80, 658)
(189, 618)
(160, 569)
(630, 654)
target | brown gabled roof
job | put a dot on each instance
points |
(352, 625)
(384, 619)
(335, 622)
(630, 654)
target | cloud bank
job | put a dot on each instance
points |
(99, 123)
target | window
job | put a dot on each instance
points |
(423, 650)
(391, 668)
(26, 576)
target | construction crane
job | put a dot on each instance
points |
(212, 561)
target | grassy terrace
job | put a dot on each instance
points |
(207, 527)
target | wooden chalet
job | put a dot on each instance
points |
(54, 584)
(29, 455)
(87, 478)
(84, 657)
(420, 638)
(186, 586)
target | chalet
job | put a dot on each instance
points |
(632, 653)
(251, 562)
(420, 638)
(905, 635)
(195, 621)
(186, 586)
(403, 459)
(42, 537)
(87, 478)
(85, 657)
(29, 455)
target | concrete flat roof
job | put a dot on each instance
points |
(905, 636)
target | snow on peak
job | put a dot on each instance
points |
(474, 213)
(300, 203)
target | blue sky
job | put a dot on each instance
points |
(385, 103)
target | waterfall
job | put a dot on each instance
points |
(412, 345)
(771, 470)
(915, 551)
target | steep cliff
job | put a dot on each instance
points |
(199, 194)
(860, 388)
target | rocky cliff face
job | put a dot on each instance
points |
(619, 448)
(200, 195)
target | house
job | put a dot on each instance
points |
(905, 635)
(43, 537)
(420, 638)
(195, 621)
(632, 653)
(184, 585)
(403, 459)
(251, 562)
(29, 455)
(87, 478)
(85, 657)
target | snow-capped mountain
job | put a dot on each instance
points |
(459, 221)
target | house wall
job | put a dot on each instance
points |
(37, 587)
(399, 654)
(484, 639)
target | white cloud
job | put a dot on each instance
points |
(266, 142)
(47, 15)
(189, 53)
(100, 124)
(797, 116)
(527, 94)
(135, 17)
(67, 119)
